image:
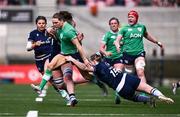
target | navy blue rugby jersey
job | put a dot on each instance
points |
(108, 74)
(36, 35)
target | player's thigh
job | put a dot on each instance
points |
(130, 86)
(140, 63)
(57, 61)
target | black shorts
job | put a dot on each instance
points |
(130, 86)
(130, 59)
(40, 65)
(76, 56)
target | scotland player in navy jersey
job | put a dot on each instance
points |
(123, 83)
(45, 48)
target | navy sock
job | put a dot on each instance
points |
(141, 98)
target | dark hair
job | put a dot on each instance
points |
(41, 18)
(97, 56)
(67, 16)
(55, 15)
(113, 18)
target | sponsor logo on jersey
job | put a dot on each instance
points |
(129, 29)
(37, 35)
(113, 37)
(139, 29)
(135, 35)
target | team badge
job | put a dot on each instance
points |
(139, 29)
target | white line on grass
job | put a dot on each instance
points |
(32, 113)
(9, 115)
(87, 114)
(3, 114)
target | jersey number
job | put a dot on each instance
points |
(114, 72)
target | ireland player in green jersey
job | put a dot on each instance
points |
(69, 46)
(133, 47)
(108, 49)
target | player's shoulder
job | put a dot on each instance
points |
(35, 31)
(69, 29)
(107, 33)
(68, 26)
(140, 25)
(124, 27)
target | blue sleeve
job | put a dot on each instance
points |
(31, 36)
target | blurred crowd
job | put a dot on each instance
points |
(17, 2)
(128, 3)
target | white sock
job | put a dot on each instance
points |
(156, 92)
(64, 94)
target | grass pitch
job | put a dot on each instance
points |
(18, 100)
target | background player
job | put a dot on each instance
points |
(41, 42)
(108, 49)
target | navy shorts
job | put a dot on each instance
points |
(130, 86)
(111, 62)
(130, 59)
(40, 65)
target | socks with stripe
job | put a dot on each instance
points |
(46, 77)
(156, 92)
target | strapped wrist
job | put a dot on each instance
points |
(159, 43)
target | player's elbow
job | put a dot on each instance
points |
(29, 46)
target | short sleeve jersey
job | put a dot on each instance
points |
(36, 35)
(133, 38)
(108, 74)
(108, 39)
(66, 35)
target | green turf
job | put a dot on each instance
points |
(17, 100)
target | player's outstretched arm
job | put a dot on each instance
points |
(80, 65)
(154, 40)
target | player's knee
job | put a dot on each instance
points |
(140, 64)
(67, 74)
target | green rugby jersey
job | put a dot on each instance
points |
(108, 39)
(66, 35)
(133, 38)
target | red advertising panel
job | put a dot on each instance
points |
(26, 74)
(21, 74)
